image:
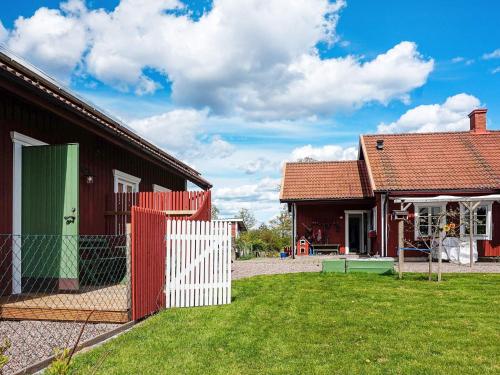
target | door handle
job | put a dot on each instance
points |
(70, 219)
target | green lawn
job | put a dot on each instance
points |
(320, 324)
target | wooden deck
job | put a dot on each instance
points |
(109, 304)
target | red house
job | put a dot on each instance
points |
(61, 159)
(348, 204)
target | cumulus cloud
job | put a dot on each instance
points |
(492, 55)
(52, 39)
(247, 58)
(262, 196)
(448, 116)
(328, 152)
(178, 131)
(460, 59)
(260, 165)
(3, 33)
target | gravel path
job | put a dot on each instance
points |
(33, 341)
(271, 266)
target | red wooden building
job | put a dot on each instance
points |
(62, 160)
(349, 203)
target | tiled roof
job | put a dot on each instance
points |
(325, 181)
(434, 161)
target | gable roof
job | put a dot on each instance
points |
(433, 161)
(329, 180)
(15, 69)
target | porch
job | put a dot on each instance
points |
(109, 304)
(343, 227)
(66, 277)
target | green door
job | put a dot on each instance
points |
(50, 217)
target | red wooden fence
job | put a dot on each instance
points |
(119, 206)
(148, 261)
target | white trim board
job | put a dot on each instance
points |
(160, 189)
(18, 142)
(125, 178)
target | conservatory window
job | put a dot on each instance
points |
(427, 219)
(481, 221)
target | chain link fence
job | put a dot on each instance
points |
(51, 284)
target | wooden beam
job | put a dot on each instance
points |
(38, 313)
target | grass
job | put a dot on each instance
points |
(320, 324)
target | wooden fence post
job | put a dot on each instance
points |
(401, 253)
(440, 254)
(128, 250)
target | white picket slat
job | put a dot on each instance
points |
(198, 269)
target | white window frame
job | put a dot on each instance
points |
(487, 236)
(125, 179)
(374, 218)
(416, 222)
(160, 189)
(365, 245)
(18, 142)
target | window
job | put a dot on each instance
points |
(374, 218)
(481, 221)
(125, 183)
(160, 189)
(427, 219)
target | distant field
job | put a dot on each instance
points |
(313, 323)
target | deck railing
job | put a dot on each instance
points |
(179, 205)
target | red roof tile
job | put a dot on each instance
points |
(325, 181)
(434, 161)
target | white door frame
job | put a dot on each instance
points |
(346, 234)
(19, 141)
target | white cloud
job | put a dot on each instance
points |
(262, 196)
(248, 58)
(328, 152)
(52, 39)
(460, 59)
(496, 70)
(492, 55)
(3, 32)
(260, 165)
(449, 116)
(180, 131)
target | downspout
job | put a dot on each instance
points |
(294, 228)
(383, 217)
(386, 222)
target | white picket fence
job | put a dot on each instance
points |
(198, 263)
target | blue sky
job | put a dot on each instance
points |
(237, 88)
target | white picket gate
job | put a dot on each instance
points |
(198, 263)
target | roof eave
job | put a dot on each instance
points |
(73, 103)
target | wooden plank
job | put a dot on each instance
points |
(48, 314)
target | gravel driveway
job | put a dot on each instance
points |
(33, 341)
(271, 266)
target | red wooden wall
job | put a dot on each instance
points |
(97, 156)
(148, 261)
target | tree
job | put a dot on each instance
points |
(307, 159)
(248, 218)
(282, 223)
(215, 212)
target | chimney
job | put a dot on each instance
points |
(478, 121)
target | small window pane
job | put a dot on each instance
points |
(423, 225)
(436, 211)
